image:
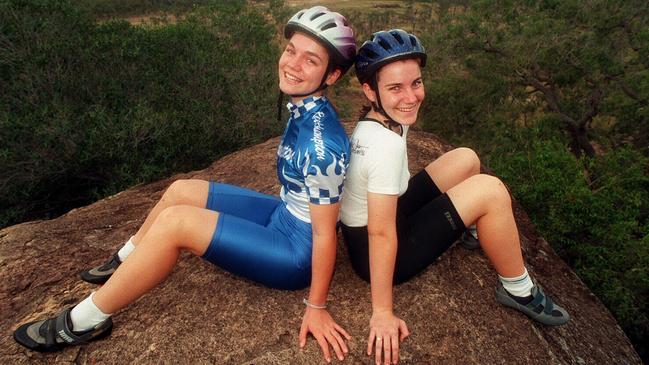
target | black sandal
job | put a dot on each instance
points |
(101, 274)
(469, 241)
(56, 333)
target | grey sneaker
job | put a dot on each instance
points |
(101, 274)
(56, 333)
(468, 241)
(540, 309)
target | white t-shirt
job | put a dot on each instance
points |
(379, 164)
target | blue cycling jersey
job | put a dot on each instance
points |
(312, 156)
(267, 239)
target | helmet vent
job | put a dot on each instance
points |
(369, 53)
(315, 16)
(413, 41)
(384, 44)
(397, 36)
(328, 26)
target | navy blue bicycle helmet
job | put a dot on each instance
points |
(386, 47)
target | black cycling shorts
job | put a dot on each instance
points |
(427, 225)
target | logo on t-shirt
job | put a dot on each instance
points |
(285, 152)
(317, 135)
(357, 148)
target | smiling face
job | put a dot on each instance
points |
(302, 66)
(402, 91)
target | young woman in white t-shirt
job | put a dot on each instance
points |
(395, 226)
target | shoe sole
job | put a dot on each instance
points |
(99, 280)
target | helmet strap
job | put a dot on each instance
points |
(378, 106)
(389, 122)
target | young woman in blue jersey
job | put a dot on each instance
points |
(395, 226)
(285, 243)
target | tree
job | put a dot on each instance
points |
(573, 58)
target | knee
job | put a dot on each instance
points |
(469, 158)
(177, 192)
(172, 220)
(494, 189)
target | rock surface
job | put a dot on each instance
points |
(202, 314)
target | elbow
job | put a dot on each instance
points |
(382, 229)
(321, 235)
(382, 233)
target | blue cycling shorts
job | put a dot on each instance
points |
(258, 238)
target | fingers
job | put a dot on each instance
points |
(395, 349)
(370, 342)
(326, 332)
(303, 333)
(403, 330)
(324, 346)
(386, 348)
(341, 342)
(342, 330)
(334, 343)
(379, 350)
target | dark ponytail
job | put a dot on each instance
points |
(363, 112)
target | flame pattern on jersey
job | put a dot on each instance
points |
(312, 157)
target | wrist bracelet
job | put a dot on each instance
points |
(306, 302)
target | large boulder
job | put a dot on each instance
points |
(202, 314)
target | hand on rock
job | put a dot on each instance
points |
(326, 331)
(386, 332)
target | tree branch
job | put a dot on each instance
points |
(593, 104)
(626, 88)
(489, 48)
(551, 98)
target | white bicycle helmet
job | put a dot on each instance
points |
(331, 29)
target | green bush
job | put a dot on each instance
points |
(89, 109)
(108, 8)
(595, 215)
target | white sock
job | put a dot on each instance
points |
(86, 315)
(520, 286)
(126, 250)
(473, 230)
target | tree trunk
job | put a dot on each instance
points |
(579, 142)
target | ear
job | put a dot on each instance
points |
(333, 76)
(369, 93)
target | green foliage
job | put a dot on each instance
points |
(115, 8)
(569, 58)
(595, 215)
(452, 97)
(88, 109)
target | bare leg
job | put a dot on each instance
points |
(453, 167)
(181, 192)
(176, 228)
(484, 199)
